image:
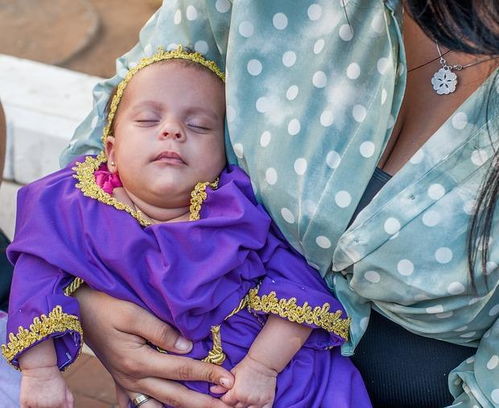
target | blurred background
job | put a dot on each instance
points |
(52, 53)
(81, 35)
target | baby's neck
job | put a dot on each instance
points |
(156, 215)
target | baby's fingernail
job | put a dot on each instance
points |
(183, 344)
(225, 382)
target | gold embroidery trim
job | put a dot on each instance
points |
(288, 309)
(84, 173)
(56, 322)
(161, 55)
(216, 355)
(198, 195)
(73, 286)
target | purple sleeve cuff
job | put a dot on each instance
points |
(41, 318)
(310, 306)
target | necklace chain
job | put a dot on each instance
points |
(457, 67)
(444, 81)
(427, 62)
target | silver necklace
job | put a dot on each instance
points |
(444, 81)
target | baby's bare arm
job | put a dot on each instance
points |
(278, 342)
(255, 376)
(42, 384)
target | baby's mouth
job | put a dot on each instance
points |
(169, 157)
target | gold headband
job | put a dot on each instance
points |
(161, 55)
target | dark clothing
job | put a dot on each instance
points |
(402, 369)
(5, 272)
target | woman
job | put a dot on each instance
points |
(331, 91)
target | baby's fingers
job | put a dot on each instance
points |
(218, 389)
(69, 399)
(152, 403)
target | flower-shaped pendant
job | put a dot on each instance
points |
(444, 81)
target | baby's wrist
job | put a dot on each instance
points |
(262, 365)
(44, 371)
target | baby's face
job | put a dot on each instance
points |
(169, 133)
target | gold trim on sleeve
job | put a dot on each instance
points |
(56, 322)
(288, 309)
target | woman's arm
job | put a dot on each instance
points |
(474, 383)
(117, 331)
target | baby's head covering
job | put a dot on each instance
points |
(161, 55)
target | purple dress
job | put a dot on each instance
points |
(191, 275)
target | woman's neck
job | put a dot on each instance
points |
(156, 215)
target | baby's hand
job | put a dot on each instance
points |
(254, 385)
(44, 387)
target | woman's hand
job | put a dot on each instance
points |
(117, 332)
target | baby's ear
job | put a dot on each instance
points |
(110, 151)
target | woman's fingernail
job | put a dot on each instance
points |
(183, 344)
(225, 382)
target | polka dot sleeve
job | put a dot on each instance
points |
(475, 383)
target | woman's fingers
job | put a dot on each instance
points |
(116, 331)
(160, 334)
(108, 313)
(183, 368)
(176, 395)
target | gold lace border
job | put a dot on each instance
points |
(84, 173)
(56, 322)
(288, 309)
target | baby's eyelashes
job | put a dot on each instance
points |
(146, 122)
(198, 127)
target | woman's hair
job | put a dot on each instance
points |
(470, 26)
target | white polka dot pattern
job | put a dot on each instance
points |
(280, 21)
(300, 166)
(319, 46)
(323, 242)
(314, 12)
(246, 29)
(287, 215)
(319, 79)
(294, 127)
(254, 67)
(292, 92)
(343, 199)
(222, 6)
(405, 267)
(191, 13)
(289, 58)
(346, 32)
